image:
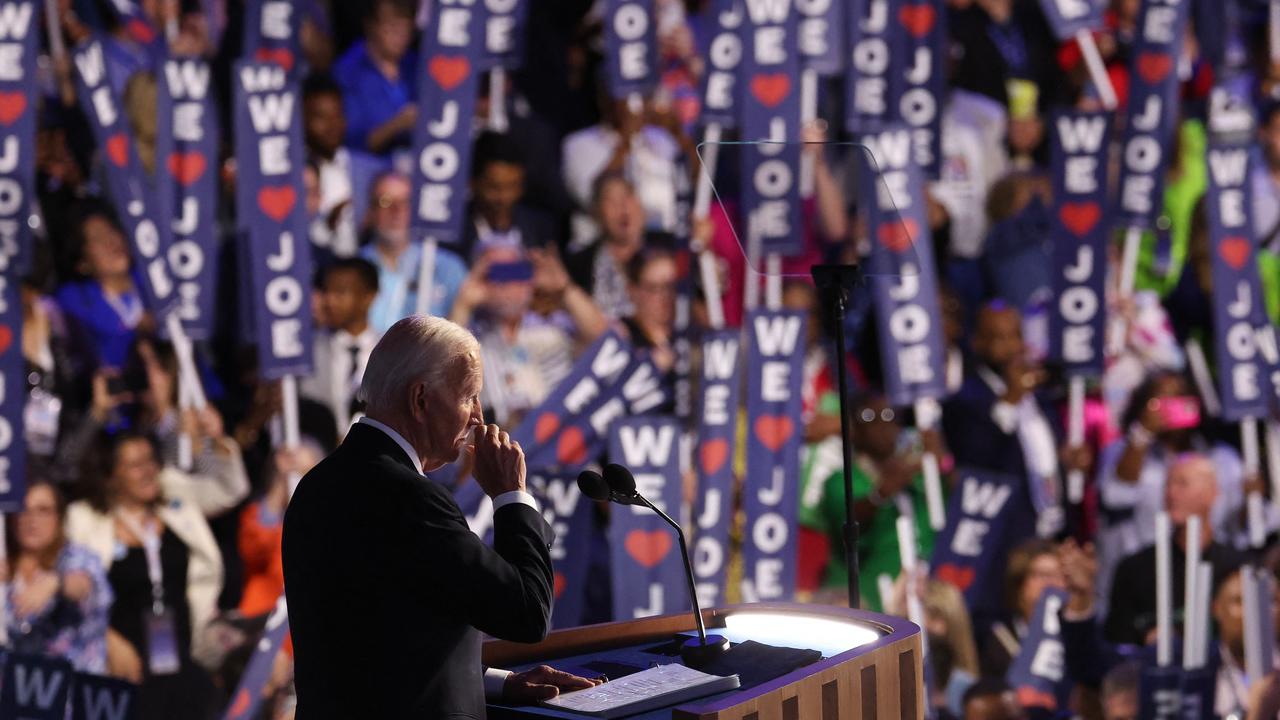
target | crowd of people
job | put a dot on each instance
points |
(573, 227)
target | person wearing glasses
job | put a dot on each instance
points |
(58, 599)
(389, 246)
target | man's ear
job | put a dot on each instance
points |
(418, 400)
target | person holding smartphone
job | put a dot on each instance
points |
(1162, 423)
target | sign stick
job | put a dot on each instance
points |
(1204, 381)
(1164, 592)
(808, 113)
(1075, 435)
(1191, 594)
(1249, 461)
(710, 154)
(1273, 29)
(185, 460)
(4, 586)
(1097, 70)
(1204, 588)
(289, 409)
(927, 414)
(907, 554)
(1117, 329)
(426, 276)
(1273, 458)
(751, 275)
(498, 99)
(1253, 668)
(57, 48)
(773, 281)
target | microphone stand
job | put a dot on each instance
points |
(834, 283)
(695, 653)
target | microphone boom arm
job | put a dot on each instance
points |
(684, 550)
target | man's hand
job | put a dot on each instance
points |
(542, 683)
(1080, 565)
(499, 461)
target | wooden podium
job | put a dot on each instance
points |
(881, 678)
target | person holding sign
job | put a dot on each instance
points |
(1192, 489)
(376, 77)
(998, 422)
(380, 565)
(887, 484)
(1162, 422)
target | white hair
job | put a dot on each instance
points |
(418, 348)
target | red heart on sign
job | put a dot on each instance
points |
(1234, 251)
(648, 548)
(186, 168)
(448, 72)
(897, 236)
(917, 19)
(277, 202)
(140, 30)
(118, 149)
(1080, 218)
(1031, 697)
(12, 105)
(771, 89)
(546, 426)
(558, 585)
(6, 338)
(1154, 66)
(774, 430)
(572, 448)
(960, 578)
(713, 455)
(280, 56)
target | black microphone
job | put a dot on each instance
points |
(593, 486)
(621, 489)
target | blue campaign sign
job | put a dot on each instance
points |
(273, 33)
(125, 182)
(866, 82)
(271, 209)
(186, 187)
(903, 281)
(503, 26)
(713, 460)
(723, 53)
(448, 81)
(35, 687)
(1160, 694)
(569, 513)
(1245, 340)
(19, 22)
(769, 96)
(13, 398)
(1152, 112)
(1079, 142)
(770, 492)
(94, 697)
(648, 572)
(917, 76)
(1037, 674)
(1068, 17)
(965, 551)
(630, 47)
(248, 694)
(822, 34)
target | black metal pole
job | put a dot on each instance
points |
(684, 552)
(846, 447)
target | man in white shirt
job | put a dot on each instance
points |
(645, 153)
(341, 351)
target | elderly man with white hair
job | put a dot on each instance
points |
(388, 589)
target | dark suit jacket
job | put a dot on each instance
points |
(389, 590)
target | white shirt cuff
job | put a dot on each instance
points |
(515, 496)
(494, 681)
(1005, 416)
